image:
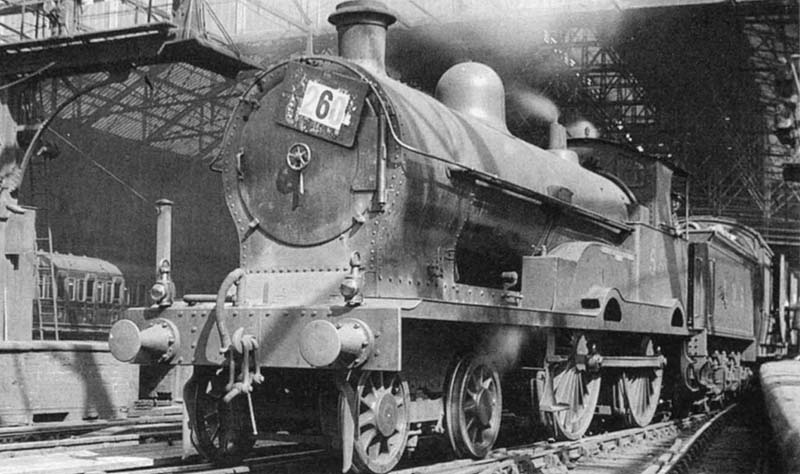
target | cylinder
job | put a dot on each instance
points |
(361, 26)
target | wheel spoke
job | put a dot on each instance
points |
(374, 450)
(394, 440)
(367, 437)
(380, 441)
(473, 432)
(366, 419)
(470, 406)
(369, 400)
(475, 380)
(214, 434)
(471, 422)
(578, 387)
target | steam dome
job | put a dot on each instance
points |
(476, 90)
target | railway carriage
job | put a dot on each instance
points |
(408, 268)
(85, 294)
(80, 297)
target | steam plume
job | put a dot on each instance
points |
(532, 104)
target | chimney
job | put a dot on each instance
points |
(558, 143)
(361, 25)
(558, 136)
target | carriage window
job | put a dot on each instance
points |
(109, 292)
(79, 289)
(100, 294)
(118, 297)
(90, 289)
(44, 286)
(71, 289)
(60, 285)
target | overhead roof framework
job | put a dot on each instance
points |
(182, 108)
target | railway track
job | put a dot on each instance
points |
(37, 448)
(728, 441)
(10, 437)
(741, 443)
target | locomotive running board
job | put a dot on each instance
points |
(631, 362)
(489, 181)
(622, 362)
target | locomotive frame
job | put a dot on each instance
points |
(430, 271)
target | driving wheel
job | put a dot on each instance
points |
(642, 389)
(576, 388)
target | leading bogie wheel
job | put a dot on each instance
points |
(220, 431)
(473, 406)
(382, 426)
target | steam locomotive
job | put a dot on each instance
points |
(409, 268)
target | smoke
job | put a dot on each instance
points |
(504, 347)
(421, 54)
(520, 41)
(532, 104)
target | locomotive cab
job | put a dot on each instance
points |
(648, 178)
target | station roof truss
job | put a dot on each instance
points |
(600, 86)
(182, 107)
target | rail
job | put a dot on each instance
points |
(654, 449)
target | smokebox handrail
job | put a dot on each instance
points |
(488, 178)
